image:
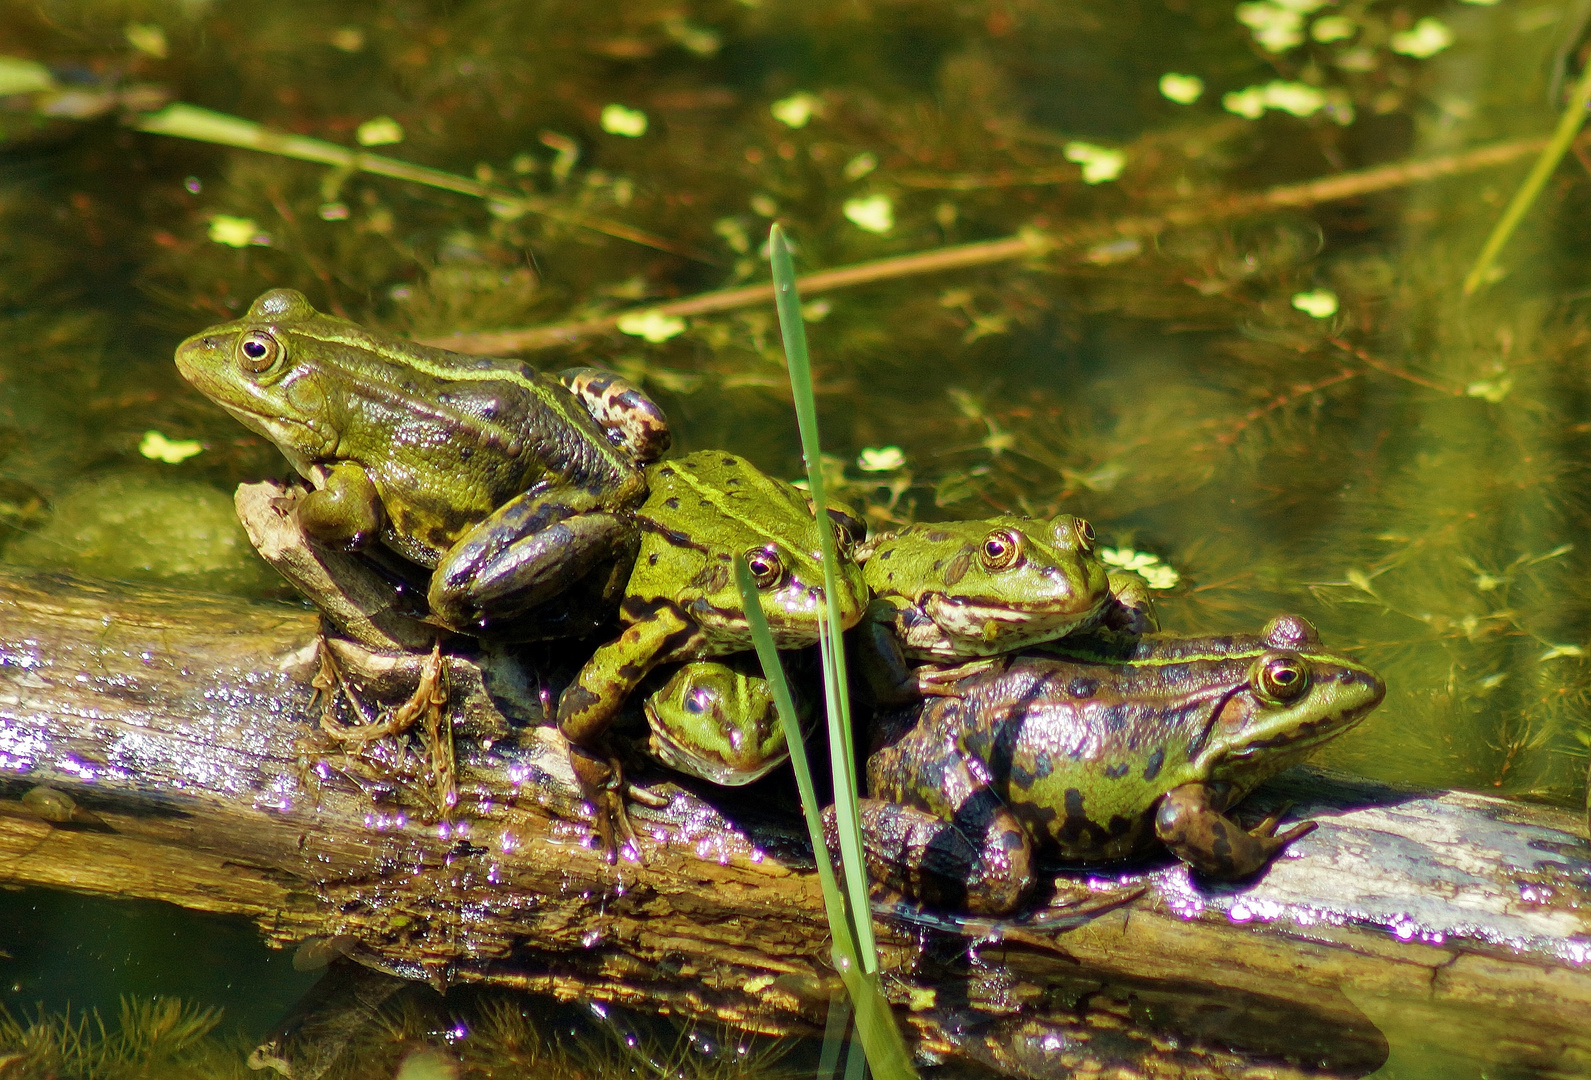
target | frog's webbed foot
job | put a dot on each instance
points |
(602, 785)
(932, 680)
(1188, 823)
(426, 707)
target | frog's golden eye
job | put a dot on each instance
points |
(1085, 535)
(1001, 549)
(257, 351)
(1281, 679)
(767, 569)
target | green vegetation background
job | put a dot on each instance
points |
(1407, 472)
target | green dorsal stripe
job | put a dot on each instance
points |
(715, 495)
(554, 395)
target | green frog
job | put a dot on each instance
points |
(1102, 754)
(948, 591)
(682, 601)
(717, 720)
(496, 478)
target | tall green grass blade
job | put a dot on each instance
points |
(875, 1023)
(790, 720)
(1562, 138)
(835, 684)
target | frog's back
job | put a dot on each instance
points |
(448, 438)
(1082, 751)
(704, 509)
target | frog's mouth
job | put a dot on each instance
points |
(1006, 625)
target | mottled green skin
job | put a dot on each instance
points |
(483, 470)
(1122, 745)
(682, 602)
(717, 721)
(947, 591)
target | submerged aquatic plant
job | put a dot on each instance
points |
(162, 1037)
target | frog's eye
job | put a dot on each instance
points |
(1085, 535)
(1281, 679)
(1001, 549)
(257, 351)
(767, 569)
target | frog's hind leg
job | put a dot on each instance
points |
(1190, 825)
(981, 862)
(528, 551)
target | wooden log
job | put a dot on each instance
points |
(164, 745)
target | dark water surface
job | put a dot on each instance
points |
(1292, 409)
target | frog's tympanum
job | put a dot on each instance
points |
(496, 478)
(1127, 743)
(717, 721)
(944, 591)
(682, 602)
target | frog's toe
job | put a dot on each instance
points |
(602, 785)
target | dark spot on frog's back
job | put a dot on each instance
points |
(1076, 824)
(956, 568)
(1156, 760)
(1116, 772)
(672, 502)
(938, 537)
(731, 462)
(1081, 687)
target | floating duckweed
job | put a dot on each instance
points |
(795, 110)
(874, 213)
(701, 40)
(1183, 89)
(881, 459)
(156, 447)
(148, 39)
(236, 231)
(653, 325)
(1320, 303)
(381, 131)
(1147, 566)
(19, 76)
(1427, 37)
(1100, 164)
(1297, 98)
(860, 166)
(619, 120)
(1333, 28)
(1492, 390)
(1274, 27)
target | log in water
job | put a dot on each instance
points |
(160, 744)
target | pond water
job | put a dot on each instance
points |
(1282, 406)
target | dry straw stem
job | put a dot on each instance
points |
(1028, 244)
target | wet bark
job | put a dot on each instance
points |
(164, 745)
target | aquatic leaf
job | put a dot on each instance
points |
(1425, 38)
(157, 447)
(619, 120)
(874, 213)
(652, 325)
(381, 131)
(797, 109)
(1100, 164)
(1318, 303)
(1183, 89)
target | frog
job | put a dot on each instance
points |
(682, 601)
(495, 478)
(947, 591)
(1101, 750)
(717, 720)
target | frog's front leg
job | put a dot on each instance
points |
(589, 704)
(880, 656)
(345, 511)
(526, 552)
(1190, 823)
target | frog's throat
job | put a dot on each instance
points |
(670, 752)
(288, 434)
(966, 625)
